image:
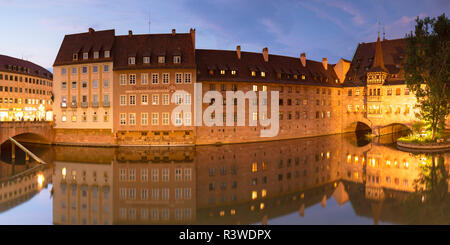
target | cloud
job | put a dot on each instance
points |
(357, 19)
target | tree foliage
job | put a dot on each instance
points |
(427, 69)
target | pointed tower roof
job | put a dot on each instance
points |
(378, 63)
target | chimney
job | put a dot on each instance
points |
(91, 30)
(266, 54)
(303, 59)
(325, 63)
(173, 32)
(238, 51)
(192, 31)
(130, 33)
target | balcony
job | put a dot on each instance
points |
(73, 104)
(106, 104)
(374, 98)
(84, 104)
(94, 103)
(64, 104)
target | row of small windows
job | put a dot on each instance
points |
(263, 74)
(95, 55)
(84, 117)
(84, 84)
(26, 90)
(377, 91)
(130, 174)
(26, 80)
(155, 99)
(84, 69)
(161, 59)
(155, 78)
(156, 214)
(180, 194)
(155, 118)
(20, 100)
(27, 70)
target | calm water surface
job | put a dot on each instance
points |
(339, 179)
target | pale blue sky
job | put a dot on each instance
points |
(35, 29)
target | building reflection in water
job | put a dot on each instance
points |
(242, 183)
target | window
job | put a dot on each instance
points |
(177, 59)
(178, 119)
(63, 72)
(406, 91)
(161, 59)
(222, 72)
(105, 68)
(253, 73)
(263, 74)
(123, 119)
(155, 78)
(155, 118)
(94, 83)
(165, 78)
(144, 78)
(105, 83)
(146, 60)
(398, 91)
(132, 99)
(132, 79)
(107, 53)
(389, 91)
(123, 79)
(85, 55)
(187, 99)
(187, 118)
(233, 72)
(132, 118)
(255, 88)
(95, 69)
(187, 77)
(63, 86)
(144, 118)
(74, 70)
(123, 100)
(178, 78)
(131, 60)
(84, 69)
(165, 99)
(165, 118)
(155, 99)
(144, 99)
(349, 92)
(74, 85)
(95, 54)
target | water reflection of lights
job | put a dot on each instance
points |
(40, 180)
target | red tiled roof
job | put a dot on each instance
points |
(213, 59)
(393, 56)
(85, 42)
(11, 64)
(154, 45)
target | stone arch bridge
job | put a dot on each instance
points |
(26, 131)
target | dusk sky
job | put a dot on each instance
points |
(34, 30)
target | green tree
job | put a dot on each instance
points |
(427, 69)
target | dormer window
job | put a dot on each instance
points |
(263, 74)
(85, 55)
(96, 55)
(177, 59)
(146, 60)
(131, 60)
(161, 59)
(303, 77)
(211, 72)
(233, 72)
(107, 53)
(222, 72)
(253, 73)
(75, 56)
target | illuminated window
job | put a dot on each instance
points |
(349, 158)
(144, 78)
(132, 118)
(222, 72)
(254, 167)
(161, 59)
(255, 88)
(233, 72)
(263, 193)
(254, 195)
(144, 99)
(263, 74)
(253, 73)
(155, 99)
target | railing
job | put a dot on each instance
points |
(84, 104)
(94, 103)
(106, 104)
(73, 104)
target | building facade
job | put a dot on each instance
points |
(148, 76)
(25, 91)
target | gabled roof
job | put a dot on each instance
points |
(84, 42)
(154, 45)
(393, 54)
